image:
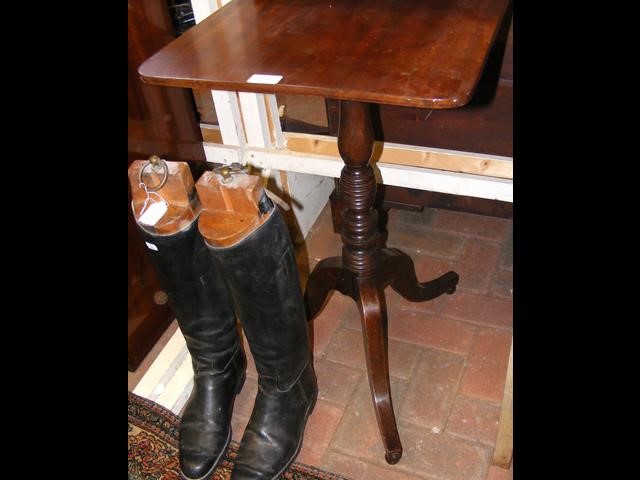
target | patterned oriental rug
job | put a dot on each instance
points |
(153, 447)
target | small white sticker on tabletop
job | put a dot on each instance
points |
(262, 78)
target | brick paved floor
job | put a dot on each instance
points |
(448, 357)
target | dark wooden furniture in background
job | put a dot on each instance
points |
(162, 122)
(415, 53)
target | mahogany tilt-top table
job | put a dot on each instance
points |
(416, 53)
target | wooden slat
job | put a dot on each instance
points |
(182, 399)
(211, 133)
(395, 154)
(169, 373)
(228, 112)
(176, 384)
(441, 159)
(202, 9)
(416, 156)
(273, 116)
(443, 181)
(169, 380)
(254, 117)
(400, 175)
(503, 452)
(160, 366)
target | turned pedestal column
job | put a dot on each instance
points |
(364, 270)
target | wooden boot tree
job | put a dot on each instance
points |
(230, 205)
(171, 181)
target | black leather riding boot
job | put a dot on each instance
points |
(263, 278)
(204, 309)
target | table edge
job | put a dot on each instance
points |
(455, 101)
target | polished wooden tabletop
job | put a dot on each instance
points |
(420, 53)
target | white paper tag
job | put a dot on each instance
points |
(262, 78)
(151, 246)
(153, 213)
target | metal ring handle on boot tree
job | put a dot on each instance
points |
(155, 162)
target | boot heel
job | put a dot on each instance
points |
(313, 405)
(240, 384)
(314, 398)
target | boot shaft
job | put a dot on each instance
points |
(198, 295)
(264, 281)
(248, 239)
(196, 290)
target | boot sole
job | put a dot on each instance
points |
(226, 445)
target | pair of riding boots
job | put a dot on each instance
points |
(257, 280)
